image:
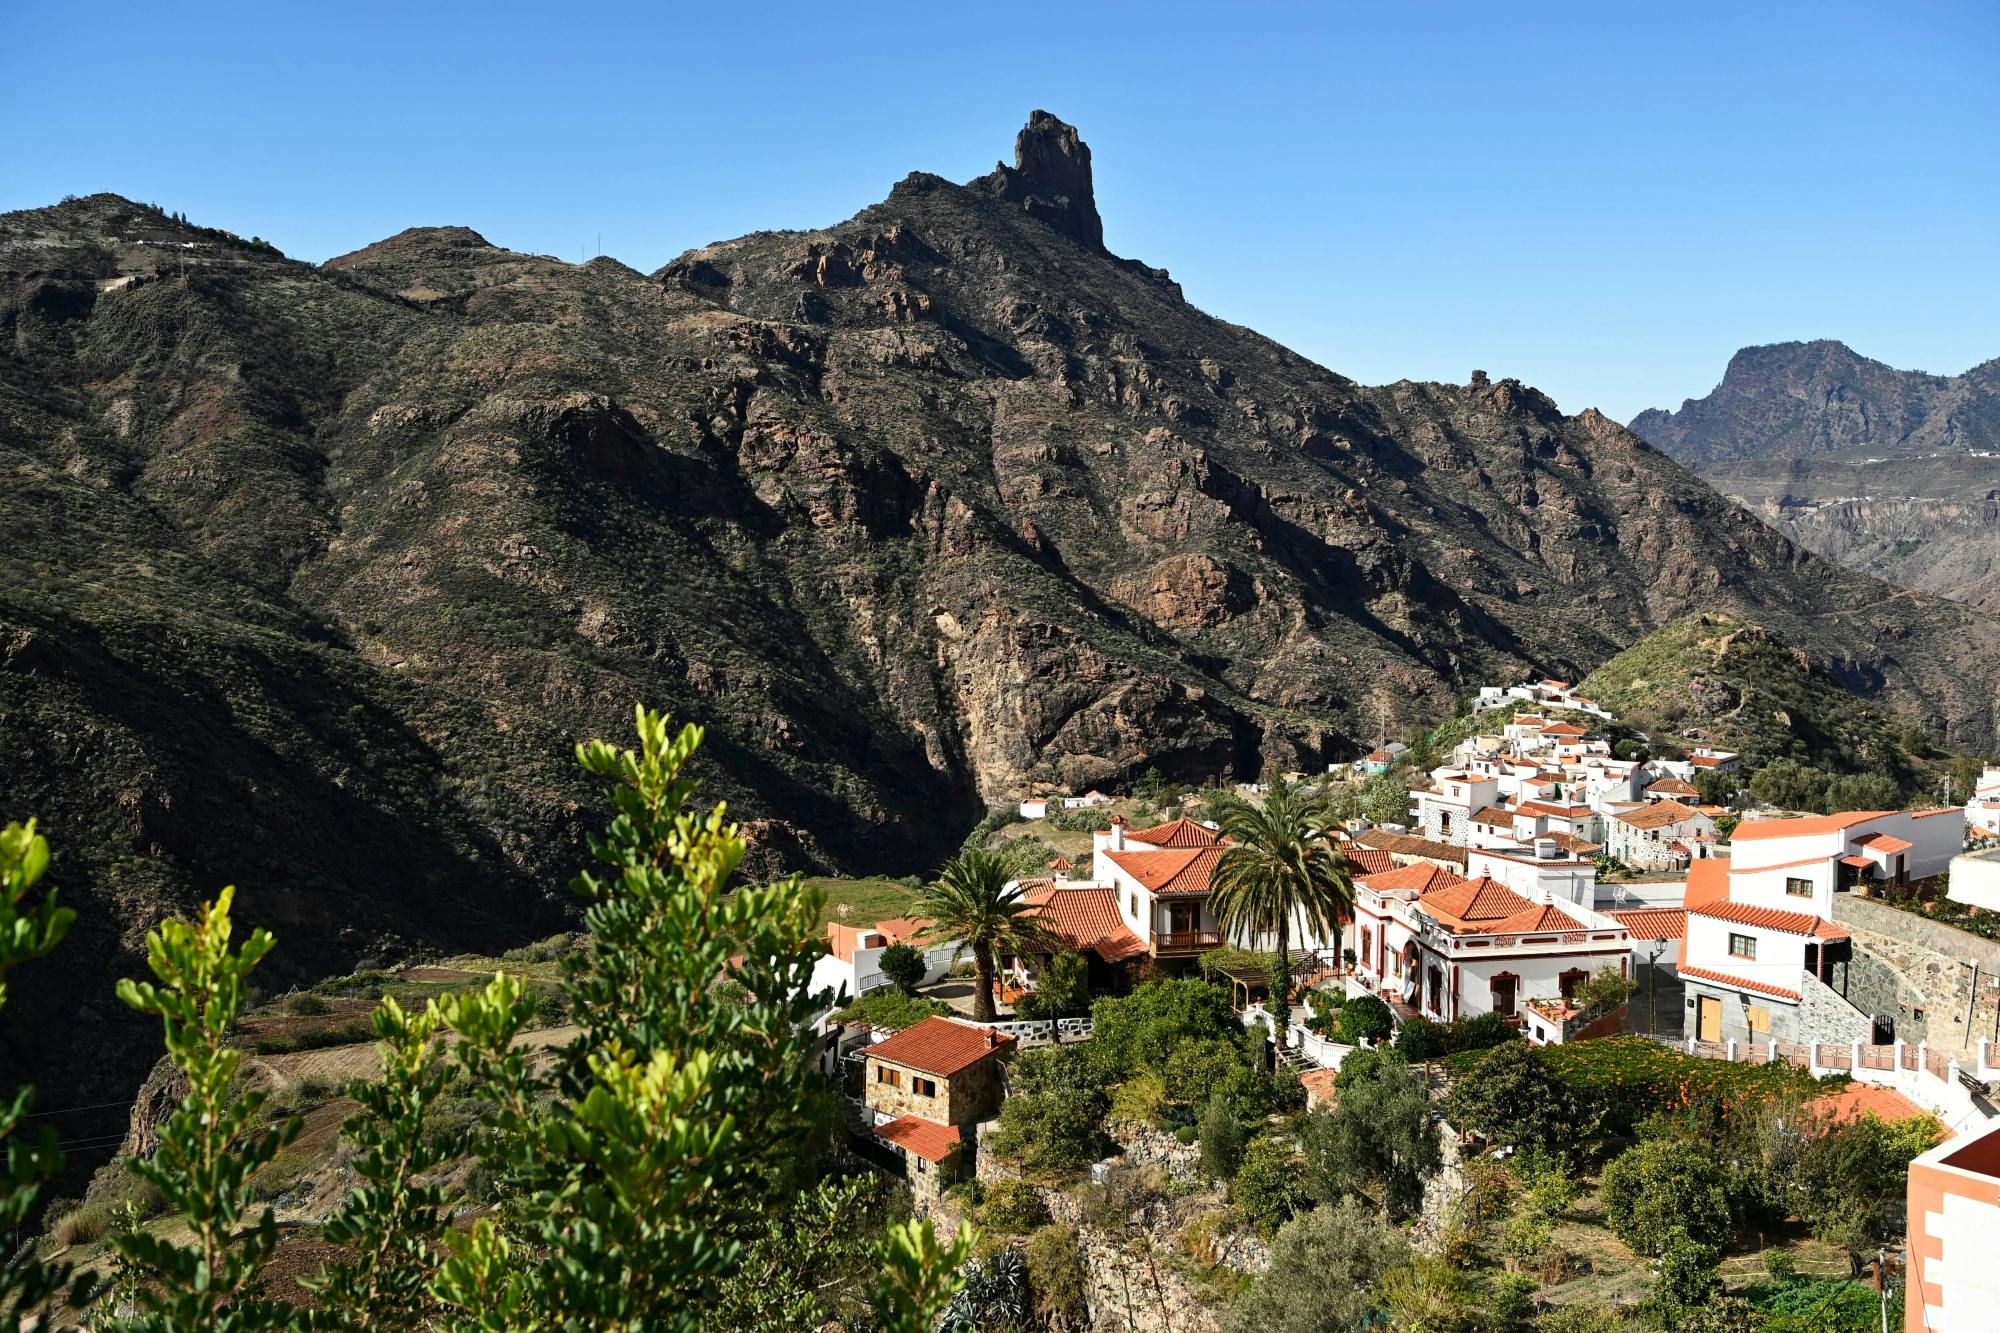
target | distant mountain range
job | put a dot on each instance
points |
(1891, 472)
(311, 576)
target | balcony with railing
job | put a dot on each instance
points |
(1180, 943)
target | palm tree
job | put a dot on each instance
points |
(1281, 863)
(977, 902)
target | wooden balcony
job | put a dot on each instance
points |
(1180, 943)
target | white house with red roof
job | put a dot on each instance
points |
(1159, 880)
(1761, 943)
(852, 965)
(1082, 917)
(1449, 947)
(1444, 811)
(1659, 835)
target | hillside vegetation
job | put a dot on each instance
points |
(1713, 679)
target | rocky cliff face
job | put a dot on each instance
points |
(1889, 472)
(311, 576)
(1809, 400)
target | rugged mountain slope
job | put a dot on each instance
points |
(1890, 472)
(310, 576)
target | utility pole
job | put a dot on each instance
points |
(1652, 966)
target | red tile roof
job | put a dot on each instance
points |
(1563, 729)
(1673, 786)
(1653, 923)
(932, 1142)
(842, 939)
(1319, 1086)
(1422, 877)
(1474, 904)
(1406, 844)
(940, 1046)
(1494, 814)
(1367, 860)
(1088, 921)
(1883, 843)
(1543, 916)
(1731, 979)
(1857, 1099)
(1550, 808)
(1175, 833)
(1171, 871)
(1792, 828)
(1661, 814)
(1772, 918)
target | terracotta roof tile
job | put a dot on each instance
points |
(1088, 921)
(930, 1141)
(1731, 979)
(1653, 923)
(1792, 828)
(1662, 814)
(1883, 843)
(1474, 904)
(1673, 786)
(1406, 844)
(1422, 877)
(1175, 833)
(1170, 871)
(1772, 918)
(1543, 916)
(1367, 860)
(940, 1046)
(1494, 814)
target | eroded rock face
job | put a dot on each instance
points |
(311, 578)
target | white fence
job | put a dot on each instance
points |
(1042, 1029)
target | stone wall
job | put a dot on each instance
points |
(1824, 1015)
(1905, 963)
(1142, 1145)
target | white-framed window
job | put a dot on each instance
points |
(1742, 946)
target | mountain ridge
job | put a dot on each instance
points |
(912, 511)
(1889, 472)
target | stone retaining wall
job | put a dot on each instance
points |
(1905, 963)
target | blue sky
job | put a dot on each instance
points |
(1604, 200)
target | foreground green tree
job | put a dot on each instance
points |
(1325, 1265)
(1281, 866)
(978, 902)
(1377, 1141)
(213, 1142)
(27, 931)
(637, 1169)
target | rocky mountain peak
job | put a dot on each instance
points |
(1050, 178)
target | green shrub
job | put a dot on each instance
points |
(1512, 1098)
(1364, 1018)
(305, 1004)
(1013, 1206)
(1053, 1119)
(1222, 1142)
(890, 1010)
(1666, 1189)
(1142, 1030)
(1266, 1184)
(1325, 1266)
(903, 965)
(1140, 1099)
(1056, 1274)
(1625, 1079)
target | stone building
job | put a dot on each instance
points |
(928, 1082)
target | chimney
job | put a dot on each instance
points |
(992, 1040)
(1545, 849)
(1117, 833)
